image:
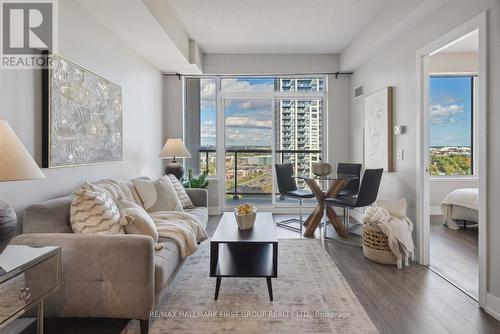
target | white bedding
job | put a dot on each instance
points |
(466, 198)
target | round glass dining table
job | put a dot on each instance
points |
(337, 182)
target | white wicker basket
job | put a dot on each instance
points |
(375, 245)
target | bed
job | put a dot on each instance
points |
(460, 207)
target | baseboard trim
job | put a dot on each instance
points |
(436, 211)
(493, 306)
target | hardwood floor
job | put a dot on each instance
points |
(412, 300)
(454, 255)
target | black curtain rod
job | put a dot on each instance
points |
(179, 75)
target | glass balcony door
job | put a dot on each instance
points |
(248, 151)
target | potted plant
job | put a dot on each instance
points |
(192, 181)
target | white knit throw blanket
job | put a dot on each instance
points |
(397, 230)
(184, 228)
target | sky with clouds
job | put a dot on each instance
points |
(450, 111)
(248, 122)
(208, 114)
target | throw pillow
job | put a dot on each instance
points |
(396, 208)
(146, 190)
(158, 195)
(93, 211)
(181, 193)
(118, 189)
(136, 220)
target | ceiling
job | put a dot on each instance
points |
(467, 43)
(277, 26)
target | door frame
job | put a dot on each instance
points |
(478, 23)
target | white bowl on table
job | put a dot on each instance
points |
(246, 221)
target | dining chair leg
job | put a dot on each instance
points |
(347, 217)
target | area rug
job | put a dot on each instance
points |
(310, 296)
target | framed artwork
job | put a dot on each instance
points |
(82, 116)
(378, 130)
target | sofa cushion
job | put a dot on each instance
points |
(119, 189)
(166, 261)
(201, 213)
(158, 195)
(136, 220)
(93, 211)
(181, 193)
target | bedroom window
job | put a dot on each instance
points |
(451, 127)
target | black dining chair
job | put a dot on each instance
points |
(352, 188)
(287, 187)
(366, 196)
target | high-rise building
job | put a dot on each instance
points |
(299, 123)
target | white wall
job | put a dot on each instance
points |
(339, 105)
(84, 41)
(395, 65)
(173, 106)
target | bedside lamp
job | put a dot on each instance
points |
(174, 148)
(15, 164)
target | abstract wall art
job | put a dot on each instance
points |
(378, 130)
(82, 116)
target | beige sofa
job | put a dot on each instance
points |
(105, 276)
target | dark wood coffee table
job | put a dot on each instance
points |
(248, 253)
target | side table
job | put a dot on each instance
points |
(27, 276)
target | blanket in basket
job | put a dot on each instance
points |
(397, 230)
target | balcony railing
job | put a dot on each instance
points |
(282, 155)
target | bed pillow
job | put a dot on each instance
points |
(181, 193)
(136, 220)
(396, 208)
(93, 211)
(158, 195)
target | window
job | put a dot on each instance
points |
(265, 120)
(451, 127)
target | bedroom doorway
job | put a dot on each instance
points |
(453, 166)
(452, 181)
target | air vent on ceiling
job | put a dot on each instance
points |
(358, 91)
